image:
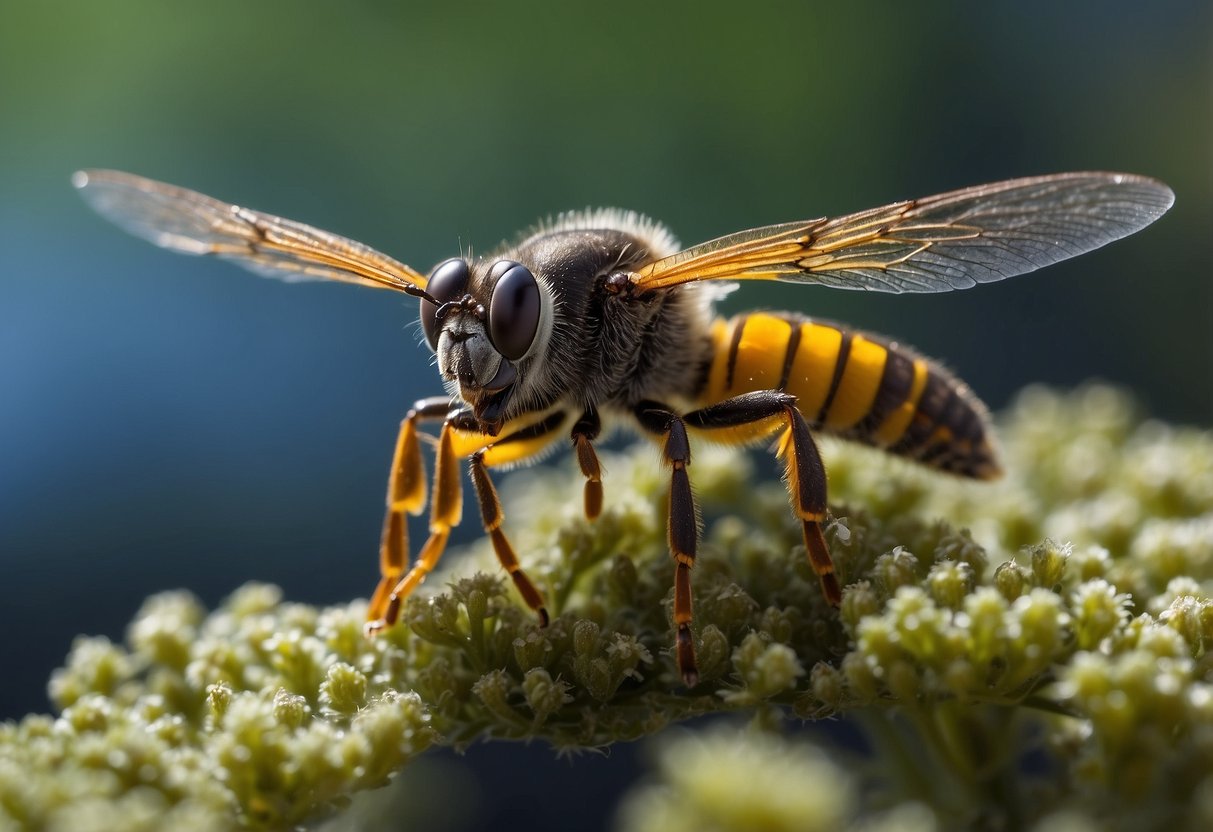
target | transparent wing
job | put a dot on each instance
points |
(191, 223)
(949, 241)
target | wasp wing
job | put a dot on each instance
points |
(950, 241)
(191, 223)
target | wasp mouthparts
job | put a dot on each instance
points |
(490, 410)
(489, 406)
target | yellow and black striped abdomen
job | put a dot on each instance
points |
(857, 386)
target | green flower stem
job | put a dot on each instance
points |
(902, 758)
(938, 725)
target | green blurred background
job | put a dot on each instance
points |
(168, 422)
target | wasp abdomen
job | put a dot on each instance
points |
(857, 386)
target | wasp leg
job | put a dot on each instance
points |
(585, 431)
(806, 475)
(492, 516)
(682, 526)
(406, 493)
(520, 444)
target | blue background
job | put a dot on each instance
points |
(170, 422)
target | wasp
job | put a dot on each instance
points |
(600, 314)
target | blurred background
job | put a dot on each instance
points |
(171, 422)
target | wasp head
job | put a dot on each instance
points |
(485, 324)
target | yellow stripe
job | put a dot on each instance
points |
(466, 443)
(511, 452)
(759, 364)
(741, 434)
(898, 421)
(860, 381)
(813, 366)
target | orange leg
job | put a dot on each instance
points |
(460, 436)
(406, 494)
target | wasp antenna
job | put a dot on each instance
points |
(418, 292)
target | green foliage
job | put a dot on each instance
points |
(960, 648)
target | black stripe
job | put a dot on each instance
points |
(936, 393)
(929, 454)
(896, 382)
(734, 345)
(937, 397)
(948, 414)
(844, 352)
(544, 426)
(790, 355)
(965, 423)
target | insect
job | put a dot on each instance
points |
(599, 313)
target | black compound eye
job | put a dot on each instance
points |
(513, 309)
(448, 282)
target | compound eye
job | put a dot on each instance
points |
(448, 282)
(513, 309)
